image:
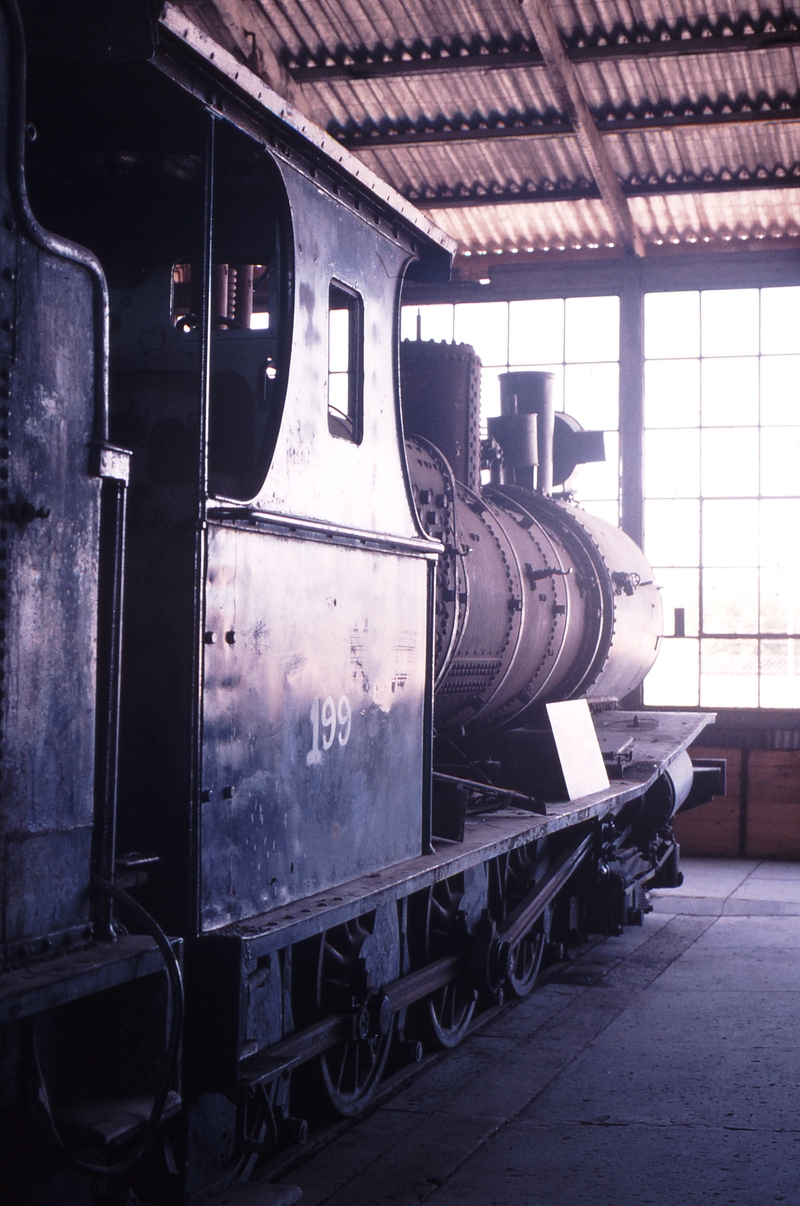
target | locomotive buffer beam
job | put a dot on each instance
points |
(492, 951)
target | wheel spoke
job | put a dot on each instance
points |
(518, 879)
(351, 1071)
(446, 1014)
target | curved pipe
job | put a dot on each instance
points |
(43, 238)
(175, 1008)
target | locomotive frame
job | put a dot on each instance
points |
(271, 750)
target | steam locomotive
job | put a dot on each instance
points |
(283, 688)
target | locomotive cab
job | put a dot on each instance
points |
(269, 729)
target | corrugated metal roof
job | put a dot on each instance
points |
(699, 111)
(332, 24)
(560, 225)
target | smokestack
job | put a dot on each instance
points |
(522, 394)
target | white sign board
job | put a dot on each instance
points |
(578, 748)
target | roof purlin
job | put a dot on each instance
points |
(740, 180)
(773, 111)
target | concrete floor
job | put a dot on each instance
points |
(663, 1067)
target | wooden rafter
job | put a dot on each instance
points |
(242, 27)
(573, 102)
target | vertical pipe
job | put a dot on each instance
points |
(198, 618)
(631, 400)
(631, 413)
(109, 656)
(427, 719)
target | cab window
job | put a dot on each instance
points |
(345, 363)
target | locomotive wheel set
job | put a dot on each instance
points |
(276, 664)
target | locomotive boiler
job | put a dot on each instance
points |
(277, 659)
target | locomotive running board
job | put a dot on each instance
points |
(660, 737)
(94, 967)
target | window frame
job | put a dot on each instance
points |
(349, 426)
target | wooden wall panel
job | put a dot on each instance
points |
(773, 804)
(713, 828)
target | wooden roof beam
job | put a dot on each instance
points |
(242, 28)
(574, 104)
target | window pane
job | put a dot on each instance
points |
(730, 600)
(339, 341)
(729, 462)
(591, 395)
(780, 600)
(674, 679)
(672, 393)
(780, 389)
(485, 326)
(730, 392)
(672, 532)
(780, 320)
(436, 322)
(780, 461)
(729, 674)
(680, 591)
(609, 511)
(729, 319)
(536, 331)
(671, 464)
(598, 479)
(780, 674)
(671, 325)
(730, 533)
(780, 523)
(591, 329)
(339, 392)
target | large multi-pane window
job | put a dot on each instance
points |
(575, 338)
(722, 494)
(721, 467)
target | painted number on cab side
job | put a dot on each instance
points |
(329, 722)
